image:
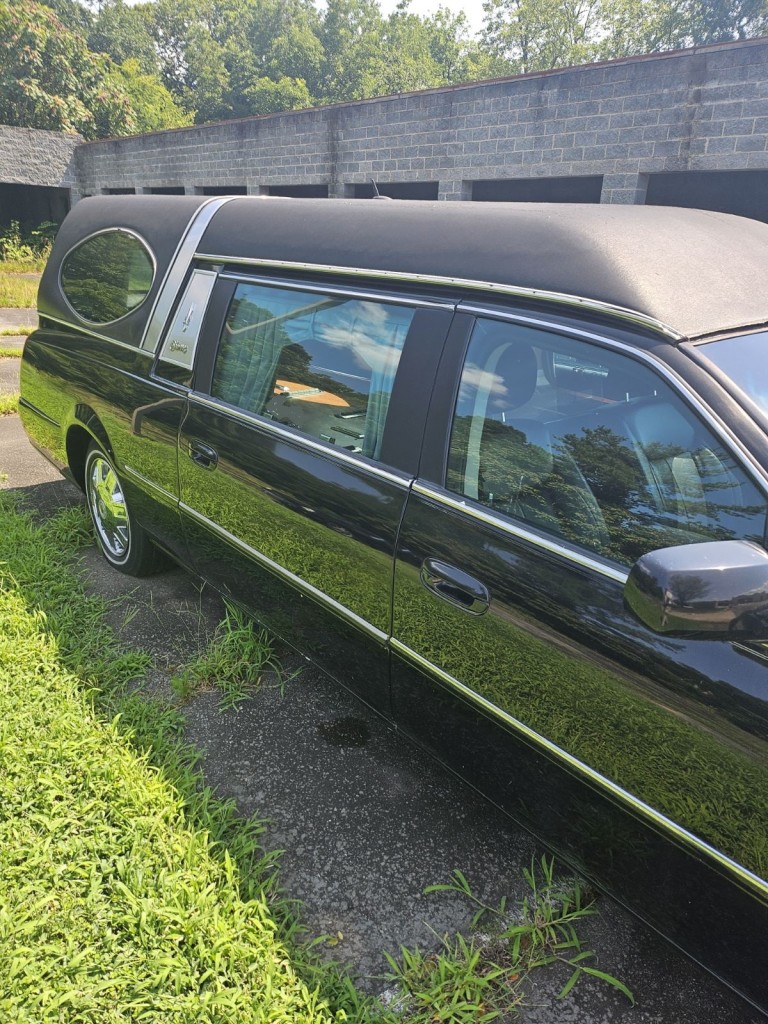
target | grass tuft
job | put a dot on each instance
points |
(9, 404)
(233, 662)
(484, 978)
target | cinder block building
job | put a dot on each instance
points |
(688, 128)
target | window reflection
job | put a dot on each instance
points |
(322, 365)
(107, 276)
(591, 446)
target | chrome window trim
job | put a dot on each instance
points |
(470, 507)
(82, 242)
(172, 499)
(349, 292)
(639, 319)
(677, 383)
(96, 335)
(304, 440)
(306, 588)
(177, 270)
(624, 796)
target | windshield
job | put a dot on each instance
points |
(745, 361)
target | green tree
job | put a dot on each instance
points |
(267, 96)
(459, 57)
(125, 33)
(230, 58)
(275, 60)
(534, 35)
(714, 21)
(50, 79)
(153, 107)
(71, 13)
(351, 35)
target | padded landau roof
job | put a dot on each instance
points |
(161, 222)
(695, 271)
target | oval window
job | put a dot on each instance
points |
(107, 276)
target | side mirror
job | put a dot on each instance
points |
(719, 588)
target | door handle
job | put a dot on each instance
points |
(203, 455)
(455, 586)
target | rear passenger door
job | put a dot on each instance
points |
(295, 457)
(557, 462)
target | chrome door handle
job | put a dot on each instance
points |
(203, 455)
(455, 586)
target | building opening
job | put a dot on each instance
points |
(31, 205)
(578, 189)
(299, 191)
(396, 190)
(224, 190)
(741, 192)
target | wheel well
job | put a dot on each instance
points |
(78, 440)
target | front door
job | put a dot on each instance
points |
(644, 758)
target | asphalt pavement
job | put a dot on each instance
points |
(365, 819)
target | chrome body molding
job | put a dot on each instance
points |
(96, 335)
(351, 292)
(301, 585)
(470, 508)
(429, 280)
(756, 884)
(167, 496)
(177, 269)
(39, 412)
(301, 440)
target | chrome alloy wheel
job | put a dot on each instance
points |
(108, 508)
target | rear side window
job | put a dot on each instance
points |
(592, 446)
(322, 364)
(107, 276)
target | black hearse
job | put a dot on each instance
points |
(500, 469)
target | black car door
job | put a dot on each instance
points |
(552, 461)
(295, 457)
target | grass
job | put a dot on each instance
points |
(10, 353)
(25, 266)
(16, 332)
(127, 892)
(9, 404)
(233, 662)
(17, 291)
(483, 978)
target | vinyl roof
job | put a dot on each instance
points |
(696, 271)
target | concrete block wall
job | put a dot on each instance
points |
(29, 156)
(700, 109)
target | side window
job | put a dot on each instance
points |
(591, 446)
(322, 364)
(107, 276)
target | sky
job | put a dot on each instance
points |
(472, 8)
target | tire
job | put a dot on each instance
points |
(123, 543)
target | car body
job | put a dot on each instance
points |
(502, 470)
